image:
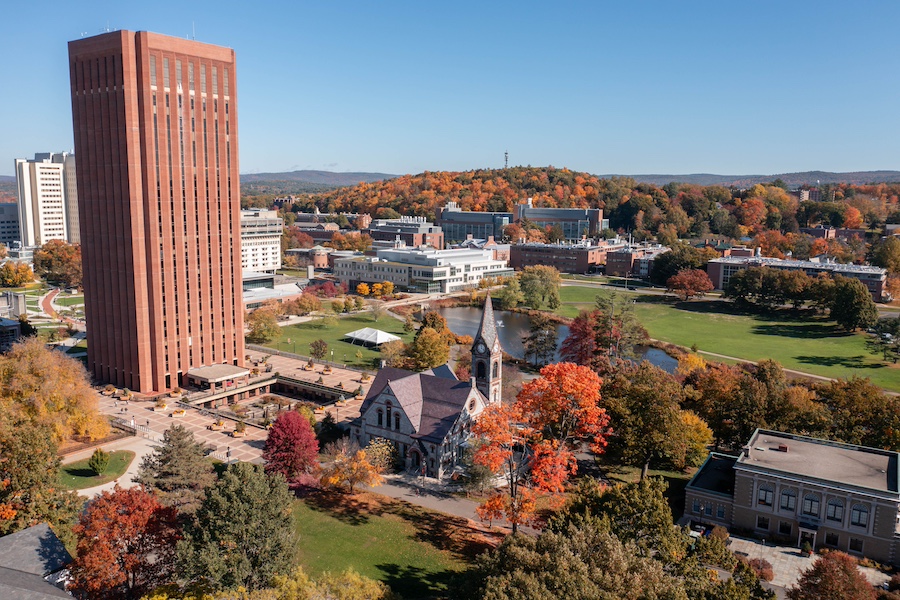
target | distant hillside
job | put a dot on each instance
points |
(316, 177)
(793, 180)
(7, 178)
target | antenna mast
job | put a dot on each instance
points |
(506, 160)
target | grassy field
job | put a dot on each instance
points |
(69, 300)
(303, 334)
(77, 475)
(812, 345)
(417, 552)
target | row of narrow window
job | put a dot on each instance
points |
(834, 511)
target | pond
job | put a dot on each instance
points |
(512, 327)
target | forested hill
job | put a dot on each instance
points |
(793, 180)
(644, 209)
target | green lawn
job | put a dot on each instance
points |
(812, 345)
(303, 334)
(418, 553)
(77, 475)
(81, 346)
(69, 300)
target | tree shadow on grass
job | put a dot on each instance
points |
(343, 507)
(414, 582)
(848, 362)
(84, 473)
(804, 331)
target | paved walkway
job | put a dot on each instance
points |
(141, 446)
(402, 487)
(787, 563)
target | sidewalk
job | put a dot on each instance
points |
(430, 496)
(139, 445)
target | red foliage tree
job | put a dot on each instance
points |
(834, 576)
(291, 448)
(580, 345)
(688, 283)
(533, 438)
(126, 545)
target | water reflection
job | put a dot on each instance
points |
(512, 327)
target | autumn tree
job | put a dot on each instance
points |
(886, 254)
(291, 447)
(534, 437)
(540, 287)
(126, 545)
(679, 258)
(15, 274)
(616, 328)
(363, 289)
(689, 283)
(318, 349)
(29, 486)
(59, 262)
(429, 349)
(44, 386)
(307, 303)
(242, 535)
(834, 576)
(580, 346)
(382, 454)
(177, 470)
(393, 353)
(263, 325)
(346, 464)
(353, 240)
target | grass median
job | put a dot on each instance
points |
(78, 475)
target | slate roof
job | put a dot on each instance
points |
(432, 401)
(487, 330)
(25, 558)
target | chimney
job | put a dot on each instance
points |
(472, 380)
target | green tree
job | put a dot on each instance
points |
(886, 254)
(510, 296)
(680, 257)
(540, 287)
(263, 325)
(177, 470)
(852, 305)
(99, 461)
(29, 488)
(429, 349)
(616, 328)
(242, 534)
(540, 343)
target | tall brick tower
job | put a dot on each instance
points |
(155, 120)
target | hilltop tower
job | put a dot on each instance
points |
(487, 356)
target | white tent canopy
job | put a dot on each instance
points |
(368, 335)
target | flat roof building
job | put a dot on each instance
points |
(579, 257)
(261, 232)
(575, 223)
(412, 231)
(801, 489)
(720, 270)
(155, 124)
(9, 224)
(47, 199)
(633, 260)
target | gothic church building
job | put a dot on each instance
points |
(428, 416)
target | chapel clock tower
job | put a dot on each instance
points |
(487, 356)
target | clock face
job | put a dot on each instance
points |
(481, 348)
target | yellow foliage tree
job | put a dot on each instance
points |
(387, 288)
(346, 464)
(362, 289)
(689, 363)
(48, 387)
(378, 290)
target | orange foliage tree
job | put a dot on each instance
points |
(530, 442)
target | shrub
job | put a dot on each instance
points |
(762, 568)
(99, 461)
(240, 427)
(719, 533)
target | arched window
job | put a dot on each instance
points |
(495, 371)
(788, 500)
(380, 414)
(482, 371)
(859, 515)
(835, 510)
(811, 505)
(766, 495)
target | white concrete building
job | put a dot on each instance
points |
(48, 199)
(423, 269)
(261, 232)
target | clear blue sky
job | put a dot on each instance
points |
(606, 87)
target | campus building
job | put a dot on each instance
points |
(261, 232)
(155, 127)
(428, 416)
(720, 270)
(458, 224)
(633, 260)
(797, 489)
(580, 257)
(412, 231)
(422, 269)
(47, 199)
(9, 224)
